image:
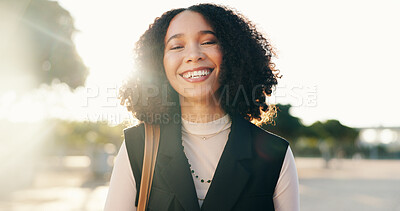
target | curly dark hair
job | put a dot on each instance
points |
(247, 74)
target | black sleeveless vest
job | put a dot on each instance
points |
(245, 177)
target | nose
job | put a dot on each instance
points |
(194, 54)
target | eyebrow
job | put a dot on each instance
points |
(175, 36)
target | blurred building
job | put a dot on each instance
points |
(383, 142)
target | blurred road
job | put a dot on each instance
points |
(367, 185)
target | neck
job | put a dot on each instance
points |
(200, 111)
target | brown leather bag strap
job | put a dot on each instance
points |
(152, 140)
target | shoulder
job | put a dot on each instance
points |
(267, 143)
(134, 140)
(134, 132)
(267, 136)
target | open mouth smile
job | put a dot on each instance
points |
(197, 75)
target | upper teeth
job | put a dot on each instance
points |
(196, 74)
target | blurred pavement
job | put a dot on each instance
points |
(367, 185)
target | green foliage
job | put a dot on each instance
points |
(340, 138)
(47, 30)
(79, 135)
(307, 140)
(341, 133)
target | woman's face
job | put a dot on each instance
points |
(192, 56)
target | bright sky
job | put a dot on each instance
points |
(337, 58)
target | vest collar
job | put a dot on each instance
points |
(230, 176)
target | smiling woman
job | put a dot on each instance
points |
(203, 75)
(246, 74)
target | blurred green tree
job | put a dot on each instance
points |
(333, 137)
(46, 31)
(320, 138)
(79, 135)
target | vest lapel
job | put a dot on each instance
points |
(174, 167)
(231, 175)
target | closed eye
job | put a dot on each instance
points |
(209, 43)
(176, 47)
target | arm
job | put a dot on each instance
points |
(122, 191)
(286, 196)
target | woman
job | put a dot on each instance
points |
(203, 74)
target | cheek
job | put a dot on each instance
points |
(218, 57)
(167, 68)
(171, 64)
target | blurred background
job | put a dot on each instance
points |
(61, 63)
